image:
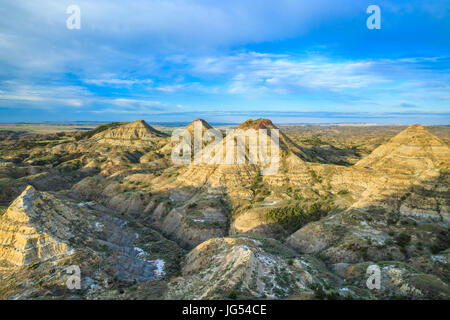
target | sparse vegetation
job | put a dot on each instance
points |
(403, 239)
(315, 178)
(126, 201)
(293, 218)
(192, 205)
(100, 128)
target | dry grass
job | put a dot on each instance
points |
(44, 128)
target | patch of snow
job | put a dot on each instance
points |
(269, 203)
(98, 226)
(139, 251)
(159, 264)
(198, 220)
(84, 204)
(267, 260)
(440, 259)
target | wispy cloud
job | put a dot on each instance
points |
(151, 56)
(407, 105)
(117, 82)
(134, 103)
(351, 79)
(43, 96)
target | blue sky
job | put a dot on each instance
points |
(225, 61)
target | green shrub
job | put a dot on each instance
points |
(293, 218)
(403, 239)
(192, 205)
(232, 295)
(321, 294)
(100, 128)
(435, 249)
(315, 177)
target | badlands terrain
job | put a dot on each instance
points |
(110, 201)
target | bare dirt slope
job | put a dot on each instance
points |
(111, 201)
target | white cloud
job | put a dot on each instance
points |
(43, 95)
(147, 47)
(130, 106)
(34, 37)
(171, 88)
(284, 74)
(125, 102)
(118, 82)
(190, 87)
(20, 97)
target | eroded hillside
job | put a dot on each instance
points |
(112, 202)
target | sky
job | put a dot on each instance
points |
(292, 61)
